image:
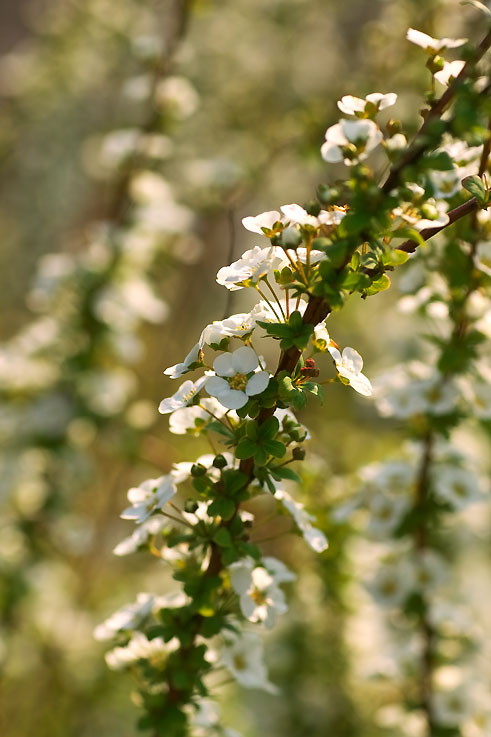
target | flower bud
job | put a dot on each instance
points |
(190, 505)
(290, 238)
(298, 453)
(220, 461)
(313, 207)
(197, 469)
(329, 195)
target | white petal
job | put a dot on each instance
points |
(331, 152)
(335, 354)
(297, 214)
(315, 539)
(243, 360)
(216, 385)
(223, 365)
(257, 383)
(232, 399)
(351, 105)
(264, 220)
(361, 384)
(352, 359)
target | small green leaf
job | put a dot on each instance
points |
(282, 472)
(476, 187)
(222, 537)
(269, 428)
(379, 285)
(394, 257)
(222, 507)
(246, 449)
(274, 448)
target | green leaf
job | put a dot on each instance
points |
(222, 537)
(476, 187)
(274, 448)
(246, 449)
(283, 472)
(394, 257)
(269, 428)
(354, 280)
(290, 393)
(222, 507)
(379, 285)
(234, 481)
(252, 430)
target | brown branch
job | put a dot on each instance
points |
(418, 145)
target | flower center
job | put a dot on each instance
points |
(238, 382)
(239, 662)
(258, 597)
(189, 395)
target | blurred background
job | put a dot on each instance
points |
(134, 136)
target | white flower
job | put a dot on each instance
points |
(451, 707)
(349, 365)
(264, 220)
(176, 371)
(432, 214)
(397, 142)
(456, 485)
(313, 537)
(433, 45)
(352, 105)
(242, 655)
(260, 598)
(140, 536)
(364, 135)
(392, 583)
(299, 216)
(152, 494)
(129, 617)
(431, 570)
(251, 267)
(386, 512)
(451, 69)
(478, 393)
(193, 419)
(184, 395)
(139, 648)
(235, 379)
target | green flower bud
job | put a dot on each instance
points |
(298, 453)
(220, 461)
(197, 469)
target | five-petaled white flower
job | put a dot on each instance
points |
(260, 597)
(350, 140)
(251, 267)
(236, 379)
(139, 648)
(433, 45)
(242, 655)
(349, 365)
(456, 485)
(152, 494)
(184, 395)
(350, 105)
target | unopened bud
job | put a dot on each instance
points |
(298, 453)
(197, 469)
(219, 461)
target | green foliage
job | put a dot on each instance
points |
(294, 333)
